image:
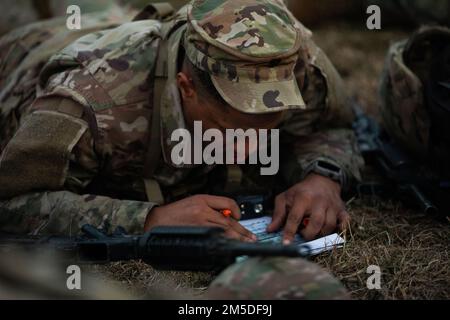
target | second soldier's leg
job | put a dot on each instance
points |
(275, 278)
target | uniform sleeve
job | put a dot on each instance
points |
(65, 212)
(333, 146)
(44, 171)
(323, 131)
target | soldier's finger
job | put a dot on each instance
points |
(279, 214)
(343, 219)
(316, 222)
(227, 232)
(227, 223)
(221, 203)
(330, 223)
(295, 217)
(236, 226)
(230, 233)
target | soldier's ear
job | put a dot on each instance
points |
(186, 87)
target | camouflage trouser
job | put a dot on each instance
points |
(275, 278)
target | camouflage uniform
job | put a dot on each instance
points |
(79, 153)
(276, 275)
(415, 95)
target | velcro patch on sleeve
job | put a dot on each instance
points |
(37, 157)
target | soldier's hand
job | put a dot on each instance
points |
(317, 198)
(200, 210)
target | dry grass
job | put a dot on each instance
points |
(411, 250)
(141, 280)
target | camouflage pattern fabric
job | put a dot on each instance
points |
(415, 97)
(281, 278)
(63, 212)
(403, 98)
(246, 47)
(108, 75)
(25, 50)
(105, 80)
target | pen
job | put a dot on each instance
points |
(305, 222)
(226, 213)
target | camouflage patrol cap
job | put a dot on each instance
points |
(249, 48)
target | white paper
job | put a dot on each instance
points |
(258, 227)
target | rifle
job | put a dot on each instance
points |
(403, 182)
(164, 248)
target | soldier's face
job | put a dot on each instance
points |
(214, 114)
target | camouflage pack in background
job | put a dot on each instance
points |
(415, 95)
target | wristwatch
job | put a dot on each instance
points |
(326, 169)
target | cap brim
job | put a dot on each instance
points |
(262, 97)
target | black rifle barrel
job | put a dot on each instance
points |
(423, 202)
(168, 248)
(255, 249)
